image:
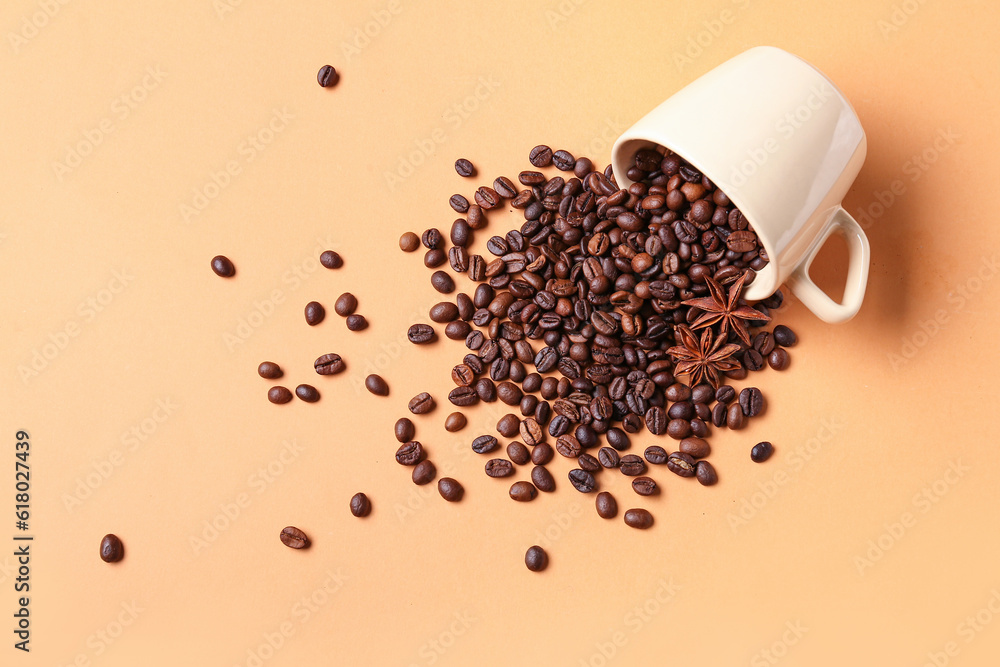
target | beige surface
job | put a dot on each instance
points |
(885, 447)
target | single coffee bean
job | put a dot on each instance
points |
(360, 505)
(432, 239)
(523, 492)
(540, 156)
(464, 168)
(356, 322)
(376, 385)
(655, 454)
(442, 282)
(778, 359)
(753, 360)
(112, 549)
(486, 390)
(725, 394)
(443, 312)
(461, 205)
(435, 258)
(419, 334)
(223, 266)
(678, 392)
(505, 187)
(656, 420)
(331, 259)
(410, 453)
(307, 393)
(608, 457)
(542, 479)
(703, 393)
(582, 480)
(751, 401)
(719, 414)
(681, 464)
(404, 430)
(463, 396)
(450, 489)
(589, 463)
(456, 421)
(409, 242)
(607, 507)
(314, 313)
(269, 370)
(346, 304)
(638, 518)
(279, 395)
(568, 446)
(632, 465)
(293, 538)
(618, 438)
(563, 160)
(705, 472)
(644, 486)
(784, 336)
(518, 453)
(327, 76)
(421, 404)
(424, 473)
(508, 426)
(484, 444)
(542, 453)
(696, 448)
(761, 452)
(734, 417)
(531, 432)
(678, 429)
(329, 364)
(535, 559)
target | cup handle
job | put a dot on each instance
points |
(812, 296)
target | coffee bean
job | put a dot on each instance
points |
(589, 463)
(442, 282)
(761, 452)
(608, 457)
(329, 364)
(644, 486)
(784, 336)
(409, 242)
(696, 448)
(419, 334)
(307, 393)
(410, 453)
(751, 401)
(112, 549)
(486, 390)
(523, 492)
(540, 156)
(531, 432)
(360, 505)
(443, 312)
(269, 370)
(314, 313)
(607, 507)
(356, 322)
(456, 421)
(423, 473)
(618, 439)
(460, 204)
(223, 266)
(678, 392)
(421, 404)
(542, 479)
(293, 538)
(376, 385)
(331, 259)
(681, 464)
(568, 446)
(508, 426)
(505, 187)
(778, 359)
(509, 393)
(752, 360)
(582, 480)
(435, 258)
(487, 198)
(542, 453)
(463, 396)
(705, 472)
(484, 444)
(678, 429)
(632, 465)
(327, 76)
(725, 394)
(655, 454)
(450, 489)
(734, 417)
(464, 168)
(404, 430)
(638, 518)
(346, 304)
(656, 420)
(563, 160)
(279, 395)
(719, 414)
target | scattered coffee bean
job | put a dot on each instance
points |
(542, 479)
(499, 468)
(463, 396)
(725, 394)
(424, 473)
(223, 266)
(404, 430)
(508, 426)
(327, 76)
(761, 452)
(346, 304)
(460, 204)
(681, 464)
(419, 334)
(638, 518)
(607, 507)
(542, 453)
(330, 259)
(360, 505)
(410, 453)
(409, 242)
(523, 492)
(656, 455)
(535, 559)
(376, 385)
(589, 463)
(450, 489)
(307, 393)
(582, 480)
(484, 444)
(540, 156)
(442, 282)
(443, 312)
(778, 359)
(279, 395)
(644, 486)
(632, 465)
(293, 538)
(269, 370)
(751, 401)
(705, 472)
(464, 168)
(531, 432)
(356, 322)
(784, 336)
(112, 549)
(456, 421)
(518, 453)
(329, 364)
(314, 313)
(696, 448)
(432, 239)
(563, 160)
(608, 457)
(734, 417)
(421, 404)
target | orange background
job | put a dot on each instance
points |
(868, 539)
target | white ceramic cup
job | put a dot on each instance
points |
(784, 144)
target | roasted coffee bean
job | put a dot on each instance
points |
(632, 465)
(327, 76)
(410, 453)
(356, 322)
(457, 330)
(563, 160)
(568, 446)
(509, 393)
(307, 393)
(751, 401)
(589, 463)
(618, 438)
(518, 453)
(761, 451)
(421, 404)
(763, 343)
(696, 448)
(778, 359)
(784, 336)
(486, 390)
(734, 416)
(462, 375)
(705, 472)
(420, 334)
(719, 414)
(279, 395)
(699, 428)
(329, 364)
(656, 420)
(463, 396)
(487, 198)
(293, 538)
(314, 313)
(542, 453)
(269, 370)
(682, 410)
(450, 489)
(678, 392)
(582, 480)
(542, 479)
(752, 360)
(644, 486)
(223, 266)
(461, 233)
(465, 308)
(499, 468)
(508, 426)
(608, 457)
(540, 156)
(409, 242)
(112, 549)
(361, 506)
(442, 282)
(505, 187)
(703, 393)
(331, 259)
(432, 239)
(464, 168)
(681, 464)
(655, 454)
(376, 385)
(531, 432)
(607, 507)
(725, 394)
(404, 430)
(443, 312)
(678, 429)
(460, 204)
(535, 559)
(638, 518)
(424, 473)
(456, 421)
(435, 258)
(523, 492)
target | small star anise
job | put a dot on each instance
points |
(702, 359)
(726, 309)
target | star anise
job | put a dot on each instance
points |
(726, 309)
(702, 359)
